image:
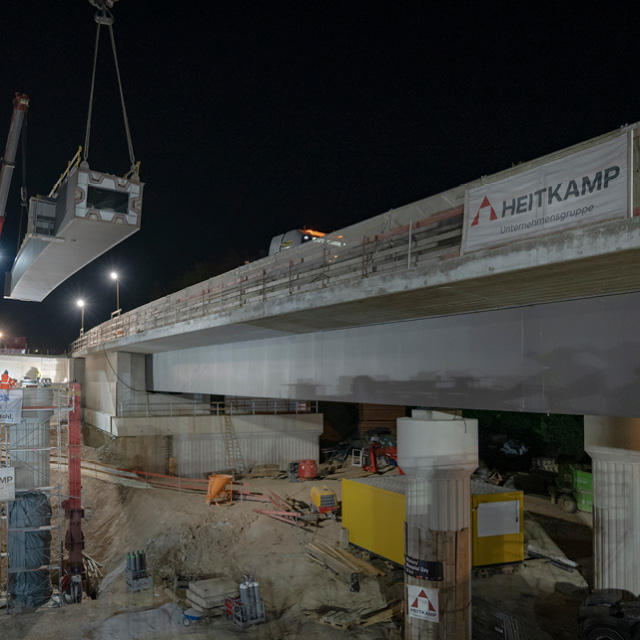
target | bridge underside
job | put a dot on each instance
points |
(577, 356)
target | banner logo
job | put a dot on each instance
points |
(587, 186)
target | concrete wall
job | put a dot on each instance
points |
(262, 439)
(199, 446)
(99, 387)
(54, 367)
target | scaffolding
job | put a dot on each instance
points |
(28, 447)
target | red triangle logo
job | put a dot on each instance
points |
(492, 213)
(422, 594)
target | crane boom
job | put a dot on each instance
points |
(20, 106)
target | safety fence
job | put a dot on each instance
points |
(231, 407)
(310, 267)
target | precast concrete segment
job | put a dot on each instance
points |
(573, 357)
(438, 452)
(614, 446)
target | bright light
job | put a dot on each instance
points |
(114, 275)
(81, 303)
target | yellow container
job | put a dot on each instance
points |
(497, 530)
(373, 511)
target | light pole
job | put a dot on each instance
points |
(81, 305)
(114, 276)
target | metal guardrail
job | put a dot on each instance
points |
(233, 406)
(310, 267)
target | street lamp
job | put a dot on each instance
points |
(81, 305)
(114, 276)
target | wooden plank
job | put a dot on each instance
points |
(382, 616)
(366, 567)
(338, 566)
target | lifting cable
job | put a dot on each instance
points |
(104, 17)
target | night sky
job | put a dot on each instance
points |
(253, 117)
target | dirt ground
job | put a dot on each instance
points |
(184, 536)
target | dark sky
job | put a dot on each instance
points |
(253, 117)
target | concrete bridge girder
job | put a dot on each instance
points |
(575, 357)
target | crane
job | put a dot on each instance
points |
(20, 106)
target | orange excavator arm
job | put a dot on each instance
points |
(20, 106)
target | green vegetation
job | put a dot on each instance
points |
(552, 435)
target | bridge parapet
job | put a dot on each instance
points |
(310, 267)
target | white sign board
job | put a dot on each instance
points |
(498, 518)
(11, 406)
(587, 186)
(423, 603)
(7, 484)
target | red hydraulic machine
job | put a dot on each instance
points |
(74, 540)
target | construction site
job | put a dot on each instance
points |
(112, 550)
(419, 425)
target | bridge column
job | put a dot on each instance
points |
(438, 452)
(614, 446)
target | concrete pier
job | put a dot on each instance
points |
(614, 446)
(438, 452)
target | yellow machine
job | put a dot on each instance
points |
(324, 500)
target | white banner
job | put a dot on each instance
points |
(423, 603)
(11, 406)
(585, 187)
(7, 484)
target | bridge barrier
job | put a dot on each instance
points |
(310, 267)
(231, 406)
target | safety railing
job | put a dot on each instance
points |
(311, 267)
(232, 406)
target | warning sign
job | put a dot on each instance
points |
(423, 603)
(7, 484)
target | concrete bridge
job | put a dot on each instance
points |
(517, 292)
(411, 308)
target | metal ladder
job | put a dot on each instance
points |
(234, 454)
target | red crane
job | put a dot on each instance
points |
(20, 106)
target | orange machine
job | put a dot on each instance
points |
(220, 488)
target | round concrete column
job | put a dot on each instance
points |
(614, 446)
(438, 452)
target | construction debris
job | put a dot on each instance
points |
(92, 567)
(344, 620)
(290, 511)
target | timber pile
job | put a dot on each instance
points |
(345, 565)
(92, 567)
(341, 619)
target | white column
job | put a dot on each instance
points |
(438, 452)
(614, 446)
